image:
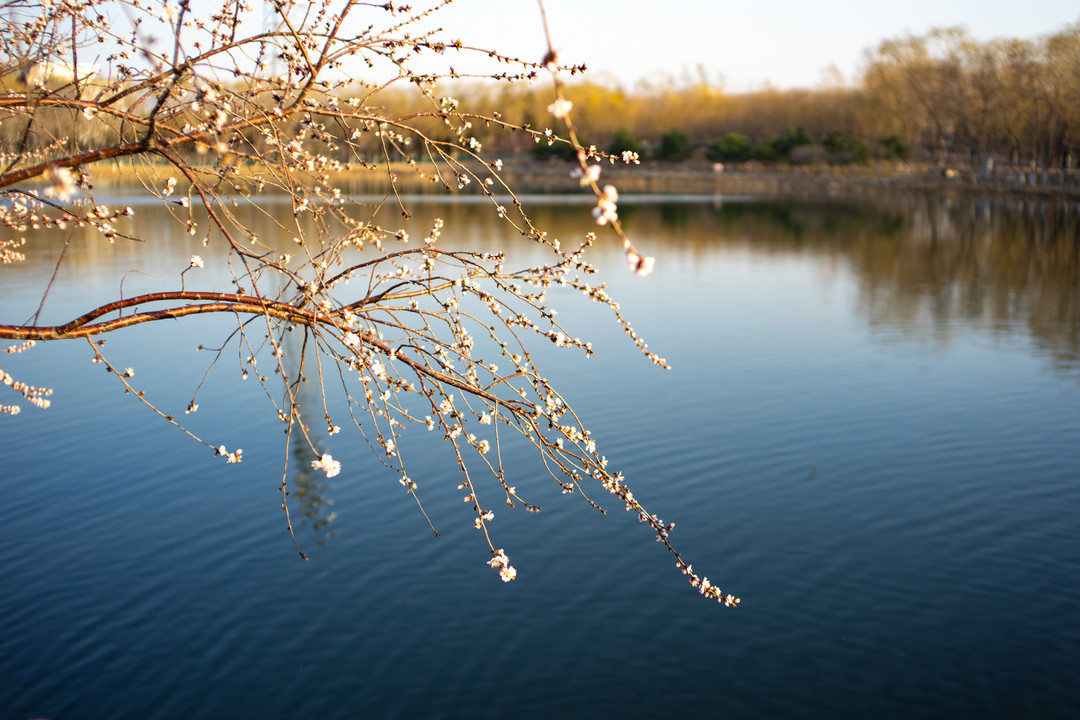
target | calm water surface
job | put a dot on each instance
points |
(871, 434)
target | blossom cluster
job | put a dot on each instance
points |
(8, 254)
(230, 457)
(327, 464)
(502, 563)
(36, 396)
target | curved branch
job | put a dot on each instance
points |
(83, 326)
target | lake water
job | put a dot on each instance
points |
(871, 433)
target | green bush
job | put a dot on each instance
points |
(792, 138)
(894, 146)
(731, 147)
(764, 150)
(771, 149)
(845, 147)
(675, 146)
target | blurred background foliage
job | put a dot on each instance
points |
(942, 96)
(918, 98)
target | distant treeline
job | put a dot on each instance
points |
(918, 97)
(925, 98)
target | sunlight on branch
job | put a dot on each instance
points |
(211, 112)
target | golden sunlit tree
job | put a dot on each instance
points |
(1012, 98)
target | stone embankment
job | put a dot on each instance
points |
(526, 175)
(802, 181)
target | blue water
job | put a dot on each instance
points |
(870, 434)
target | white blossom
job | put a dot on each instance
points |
(328, 465)
(638, 264)
(560, 108)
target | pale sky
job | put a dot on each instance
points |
(786, 43)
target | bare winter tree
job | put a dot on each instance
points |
(210, 109)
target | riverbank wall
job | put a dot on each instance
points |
(529, 176)
(802, 181)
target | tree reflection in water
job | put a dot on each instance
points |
(926, 266)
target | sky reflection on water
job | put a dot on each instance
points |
(869, 434)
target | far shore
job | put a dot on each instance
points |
(806, 181)
(526, 175)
